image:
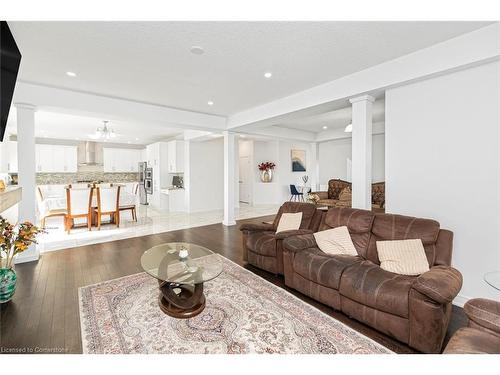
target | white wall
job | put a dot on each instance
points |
(285, 174)
(206, 185)
(279, 152)
(442, 162)
(333, 155)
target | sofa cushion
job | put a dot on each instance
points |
(370, 285)
(404, 257)
(262, 243)
(308, 213)
(289, 221)
(359, 223)
(321, 268)
(335, 241)
(390, 227)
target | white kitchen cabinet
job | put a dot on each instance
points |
(9, 157)
(175, 156)
(121, 159)
(56, 158)
(71, 158)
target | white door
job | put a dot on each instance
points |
(244, 180)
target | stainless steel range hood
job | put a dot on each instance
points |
(87, 154)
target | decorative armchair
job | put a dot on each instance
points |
(332, 197)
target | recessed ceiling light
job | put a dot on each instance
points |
(197, 50)
(129, 142)
(137, 139)
(325, 127)
(268, 74)
(348, 128)
(71, 74)
(210, 102)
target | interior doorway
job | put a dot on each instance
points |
(244, 179)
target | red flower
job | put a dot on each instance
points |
(266, 166)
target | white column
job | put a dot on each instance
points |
(362, 151)
(314, 181)
(229, 178)
(237, 173)
(26, 161)
(187, 176)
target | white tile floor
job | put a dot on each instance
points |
(149, 221)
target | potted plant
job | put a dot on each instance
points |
(266, 171)
(12, 243)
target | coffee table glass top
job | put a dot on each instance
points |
(182, 263)
(493, 279)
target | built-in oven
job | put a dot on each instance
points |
(148, 185)
(148, 181)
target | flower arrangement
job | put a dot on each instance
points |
(266, 166)
(15, 242)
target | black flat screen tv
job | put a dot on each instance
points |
(10, 58)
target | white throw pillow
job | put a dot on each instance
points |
(335, 241)
(404, 257)
(289, 221)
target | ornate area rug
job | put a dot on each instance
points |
(244, 314)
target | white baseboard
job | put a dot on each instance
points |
(460, 300)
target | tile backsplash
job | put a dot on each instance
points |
(68, 178)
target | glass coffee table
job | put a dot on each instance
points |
(493, 279)
(181, 269)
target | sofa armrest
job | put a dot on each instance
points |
(440, 283)
(484, 312)
(298, 243)
(258, 227)
(289, 233)
(320, 194)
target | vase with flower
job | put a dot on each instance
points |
(13, 242)
(266, 171)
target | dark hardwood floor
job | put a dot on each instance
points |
(43, 316)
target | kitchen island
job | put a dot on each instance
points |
(9, 202)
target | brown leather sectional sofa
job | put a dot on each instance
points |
(414, 310)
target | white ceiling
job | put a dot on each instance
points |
(333, 120)
(151, 61)
(78, 128)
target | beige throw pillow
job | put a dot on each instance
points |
(404, 257)
(289, 221)
(335, 241)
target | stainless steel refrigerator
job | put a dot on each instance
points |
(145, 182)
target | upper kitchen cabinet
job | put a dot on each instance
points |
(121, 159)
(9, 157)
(56, 158)
(175, 156)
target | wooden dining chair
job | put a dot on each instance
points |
(128, 202)
(44, 210)
(108, 203)
(79, 203)
(79, 185)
